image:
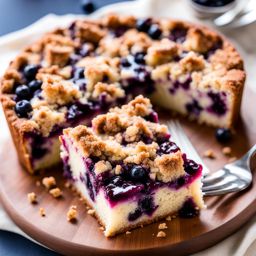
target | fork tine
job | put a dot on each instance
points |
(215, 177)
(232, 187)
(226, 181)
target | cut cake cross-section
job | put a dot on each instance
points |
(128, 169)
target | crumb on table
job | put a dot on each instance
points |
(32, 198)
(56, 192)
(226, 151)
(161, 234)
(128, 232)
(162, 226)
(168, 218)
(209, 154)
(38, 183)
(49, 182)
(42, 211)
(72, 213)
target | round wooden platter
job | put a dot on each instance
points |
(223, 216)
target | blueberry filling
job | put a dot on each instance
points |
(194, 108)
(167, 148)
(178, 35)
(23, 108)
(190, 166)
(152, 117)
(139, 58)
(145, 206)
(218, 105)
(189, 209)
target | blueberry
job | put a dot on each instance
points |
(30, 71)
(125, 63)
(35, 85)
(146, 204)
(22, 108)
(167, 148)
(223, 135)
(87, 6)
(154, 31)
(143, 25)
(73, 112)
(138, 173)
(79, 73)
(191, 167)
(139, 58)
(23, 92)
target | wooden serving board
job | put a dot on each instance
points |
(224, 215)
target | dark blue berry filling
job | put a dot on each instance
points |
(194, 108)
(87, 6)
(218, 105)
(167, 148)
(178, 35)
(189, 209)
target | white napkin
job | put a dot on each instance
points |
(241, 243)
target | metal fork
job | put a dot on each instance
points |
(232, 177)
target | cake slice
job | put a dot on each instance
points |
(129, 170)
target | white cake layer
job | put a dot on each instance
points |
(51, 158)
(115, 218)
(177, 102)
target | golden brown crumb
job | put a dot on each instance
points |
(67, 184)
(72, 213)
(209, 153)
(232, 159)
(32, 198)
(91, 212)
(49, 182)
(169, 218)
(128, 232)
(38, 183)
(226, 151)
(161, 234)
(102, 228)
(162, 226)
(55, 192)
(42, 212)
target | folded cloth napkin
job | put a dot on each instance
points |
(239, 244)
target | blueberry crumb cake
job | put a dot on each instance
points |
(129, 170)
(73, 74)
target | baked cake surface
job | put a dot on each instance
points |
(73, 74)
(128, 169)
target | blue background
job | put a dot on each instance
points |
(14, 15)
